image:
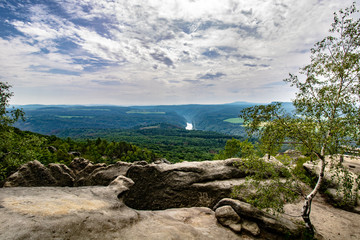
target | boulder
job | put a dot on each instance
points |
(82, 177)
(78, 164)
(62, 174)
(81, 172)
(228, 217)
(254, 219)
(250, 227)
(161, 160)
(52, 149)
(185, 184)
(31, 174)
(106, 174)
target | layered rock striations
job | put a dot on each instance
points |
(97, 212)
(96, 201)
(186, 184)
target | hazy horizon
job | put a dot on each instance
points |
(141, 53)
(144, 105)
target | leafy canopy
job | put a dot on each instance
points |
(327, 104)
(326, 115)
(8, 117)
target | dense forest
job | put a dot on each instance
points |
(108, 146)
(53, 120)
(57, 134)
(166, 141)
(20, 147)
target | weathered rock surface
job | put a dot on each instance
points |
(186, 184)
(78, 164)
(81, 172)
(251, 227)
(31, 174)
(62, 174)
(228, 217)
(103, 175)
(253, 219)
(96, 213)
(334, 176)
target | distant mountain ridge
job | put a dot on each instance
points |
(53, 119)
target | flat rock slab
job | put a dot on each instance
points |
(44, 201)
(96, 213)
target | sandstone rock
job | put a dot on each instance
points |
(78, 164)
(161, 160)
(228, 217)
(82, 177)
(96, 213)
(75, 154)
(115, 190)
(266, 221)
(186, 184)
(142, 163)
(251, 227)
(62, 174)
(31, 174)
(273, 160)
(334, 176)
(81, 172)
(104, 175)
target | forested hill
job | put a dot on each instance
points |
(166, 141)
(54, 120)
(23, 146)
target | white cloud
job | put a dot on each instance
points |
(135, 48)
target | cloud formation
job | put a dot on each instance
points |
(130, 52)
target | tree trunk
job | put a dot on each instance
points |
(308, 199)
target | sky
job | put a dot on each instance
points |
(137, 52)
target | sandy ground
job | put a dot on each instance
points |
(332, 223)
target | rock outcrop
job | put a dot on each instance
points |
(102, 175)
(81, 172)
(31, 174)
(337, 175)
(121, 210)
(97, 213)
(228, 217)
(186, 184)
(253, 219)
(62, 174)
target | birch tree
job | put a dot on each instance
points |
(327, 113)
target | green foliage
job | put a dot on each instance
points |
(327, 106)
(348, 185)
(300, 173)
(16, 149)
(20, 147)
(327, 101)
(7, 117)
(271, 139)
(269, 185)
(55, 119)
(235, 148)
(166, 141)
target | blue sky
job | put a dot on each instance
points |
(157, 52)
